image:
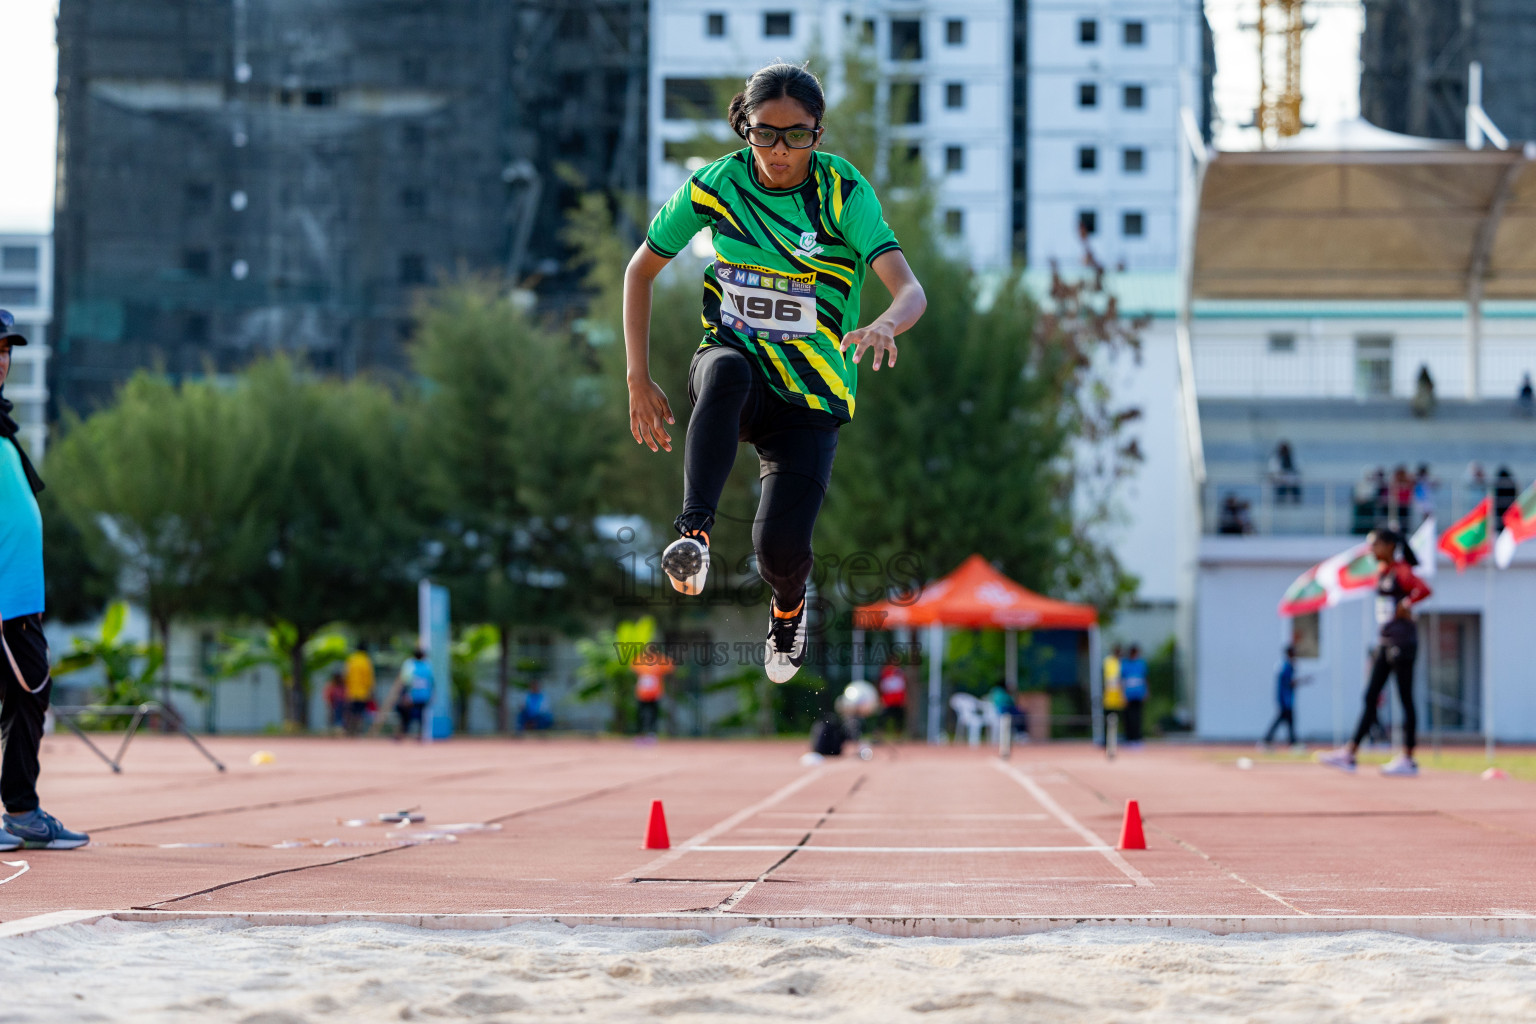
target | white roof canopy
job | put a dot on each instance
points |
(1354, 212)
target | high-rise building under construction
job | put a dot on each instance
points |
(1415, 56)
(244, 176)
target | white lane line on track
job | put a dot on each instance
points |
(693, 842)
(1045, 800)
(904, 849)
(21, 866)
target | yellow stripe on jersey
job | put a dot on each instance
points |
(703, 198)
(823, 368)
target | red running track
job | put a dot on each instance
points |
(917, 832)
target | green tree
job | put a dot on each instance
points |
(339, 530)
(513, 433)
(128, 667)
(467, 654)
(279, 648)
(82, 567)
(166, 478)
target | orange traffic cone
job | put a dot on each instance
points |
(1131, 836)
(656, 829)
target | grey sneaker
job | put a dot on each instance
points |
(786, 644)
(9, 842)
(1400, 765)
(1341, 759)
(39, 830)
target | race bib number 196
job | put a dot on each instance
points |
(765, 305)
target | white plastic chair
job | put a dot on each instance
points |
(973, 715)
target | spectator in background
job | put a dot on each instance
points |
(650, 672)
(1233, 517)
(1423, 403)
(1477, 480)
(1364, 503)
(1133, 682)
(1285, 696)
(1424, 487)
(893, 695)
(359, 683)
(535, 713)
(1114, 694)
(1402, 497)
(416, 684)
(1007, 707)
(1505, 491)
(1284, 475)
(336, 701)
(1525, 402)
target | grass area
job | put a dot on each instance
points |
(1520, 763)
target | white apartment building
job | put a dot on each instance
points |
(950, 62)
(26, 289)
(1107, 82)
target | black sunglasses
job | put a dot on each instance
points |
(764, 137)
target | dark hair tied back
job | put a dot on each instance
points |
(777, 81)
(1399, 543)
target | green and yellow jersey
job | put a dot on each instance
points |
(789, 265)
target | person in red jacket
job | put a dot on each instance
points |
(1397, 591)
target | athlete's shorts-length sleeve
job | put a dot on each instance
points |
(676, 223)
(863, 225)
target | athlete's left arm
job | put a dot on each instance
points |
(1417, 589)
(907, 304)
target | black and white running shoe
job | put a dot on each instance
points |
(786, 644)
(686, 563)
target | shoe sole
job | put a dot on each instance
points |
(54, 844)
(686, 565)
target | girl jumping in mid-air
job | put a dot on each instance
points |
(793, 230)
(1397, 591)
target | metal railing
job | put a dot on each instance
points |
(1299, 506)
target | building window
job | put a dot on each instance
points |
(1134, 97)
(18, 294)
(954, 32)
(778, 23)
(1088, 31)
(1282, 343)
(1135, 33)
(194, 328)
(195, 262)
(1087, 223)
(1133, 160)
(1133, 224)
(413, 200)
(1087, 94)
(413, 138)
(907, 102)
(18, 257)
(714, 24)
(319, 97)
(23, 372)
(954, 95)
(867, 32)
(1087, 158)
(1373, 366)
(198, 198)
(413, 269)
(906, 39)
(954, 223)
(1305, 633)
(954, 159)
(687, 99)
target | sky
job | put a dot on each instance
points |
(29, 114)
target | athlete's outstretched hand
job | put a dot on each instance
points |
(876, 336)
(648, 408)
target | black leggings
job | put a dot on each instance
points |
(795, 446)
(1286, 717)
(1391, 659)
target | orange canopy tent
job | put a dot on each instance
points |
(977, 596)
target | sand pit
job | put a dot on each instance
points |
(223, 970)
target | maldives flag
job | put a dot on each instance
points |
(1467, 541)
(1519, 525)
(1347, 575)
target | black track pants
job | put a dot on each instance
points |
(1391, 659)
(795, 447)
